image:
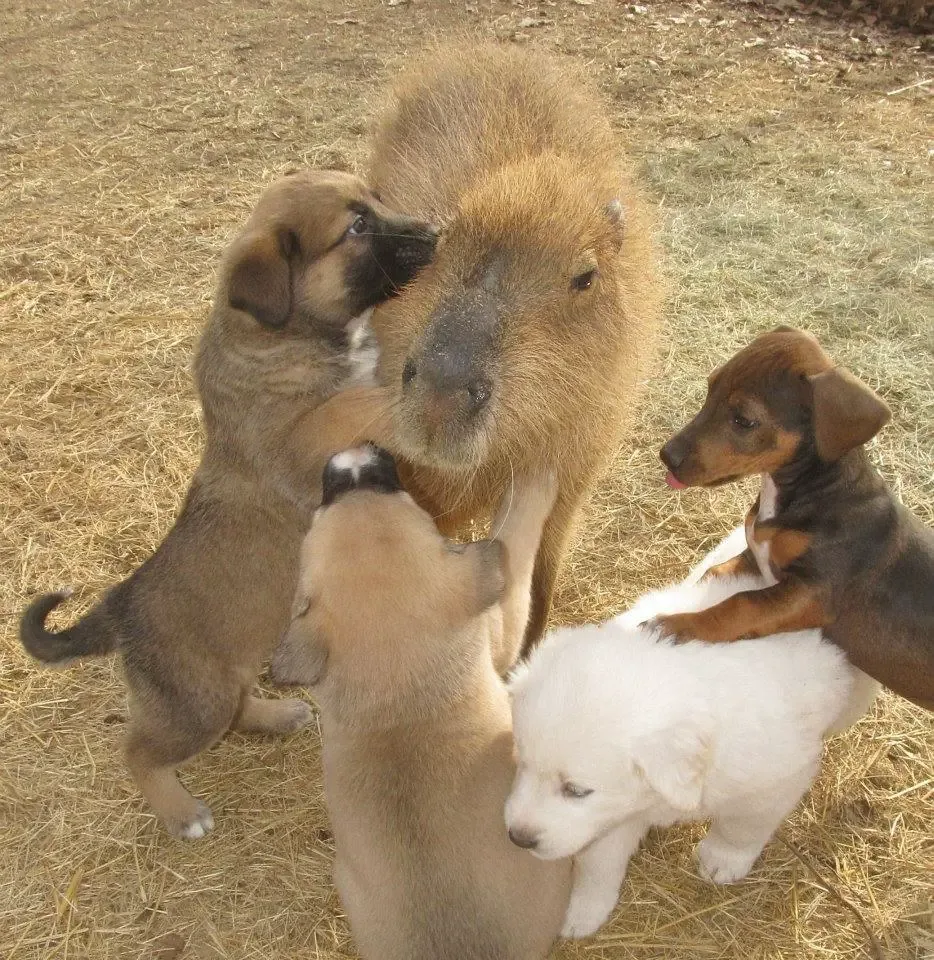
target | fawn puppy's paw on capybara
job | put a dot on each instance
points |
(195, 621)
(405, 634)
(836, 548)
(524, 342)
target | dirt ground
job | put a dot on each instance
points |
(791, 162)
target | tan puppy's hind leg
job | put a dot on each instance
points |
(272, 716)
(184, 816)
(518, 526)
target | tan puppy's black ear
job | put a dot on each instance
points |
(259, 280)
(845, 412)
(301, 657)
(486, 581)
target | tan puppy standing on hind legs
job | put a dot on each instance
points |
(404, 634)
(194, 623)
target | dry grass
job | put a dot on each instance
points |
(134, 138)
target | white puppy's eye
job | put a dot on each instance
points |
(575, 791)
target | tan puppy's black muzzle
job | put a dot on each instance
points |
(360, 468)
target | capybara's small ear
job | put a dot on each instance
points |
(302, 656)
(616, 214)
(259, 279)
(487, 580)
(845, 413)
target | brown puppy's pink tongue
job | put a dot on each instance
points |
(674, 482)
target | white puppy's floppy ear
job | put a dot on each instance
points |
(674, 762)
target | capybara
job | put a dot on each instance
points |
(195, 621)
(523, 343)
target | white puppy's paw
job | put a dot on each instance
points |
(588, 911)
(719, 862)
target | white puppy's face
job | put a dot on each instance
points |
(595, 748)
(557, 811)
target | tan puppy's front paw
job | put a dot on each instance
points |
(274, 716)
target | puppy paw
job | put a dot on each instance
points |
(587, 912)
(274, 716)
(295, 714)
(719, 862)
(669, 627)
(195, 826)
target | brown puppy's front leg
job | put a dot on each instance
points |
(555, 536)
(743, 563)
(788, 605)
(347, 419)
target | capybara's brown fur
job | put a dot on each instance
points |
(523, 343)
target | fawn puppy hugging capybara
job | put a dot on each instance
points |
(196, 620)
(523, 342)
(404, 634)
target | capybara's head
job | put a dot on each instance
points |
(779, 399)
(318, 250)
(514, 325)
(380, 589)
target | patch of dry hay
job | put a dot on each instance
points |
(133, 141)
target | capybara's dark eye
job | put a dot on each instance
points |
(583, 281)
(408, 372)
(358, 226)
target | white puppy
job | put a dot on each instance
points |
(617, 732)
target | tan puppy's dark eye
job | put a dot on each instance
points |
(583, 281)
(359, 225)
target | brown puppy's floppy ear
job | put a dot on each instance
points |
(260, 280)
(845, 413)
(486, 581)
(301, 657)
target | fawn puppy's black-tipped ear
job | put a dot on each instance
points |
(259, 279)
(845, 413)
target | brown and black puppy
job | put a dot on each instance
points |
(195, 621)
(842, 554)
(404, 634)
(524, 342)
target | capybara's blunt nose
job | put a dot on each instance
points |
(362, 468)
(523, 838)
(674, 452)
(450, 373)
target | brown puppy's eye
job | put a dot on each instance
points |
(744, 423)
(359, 225)
(583, 281)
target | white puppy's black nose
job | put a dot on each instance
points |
(523, 838)
(362, 468)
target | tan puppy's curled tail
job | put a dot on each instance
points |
(518, 527)
(90, 636)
